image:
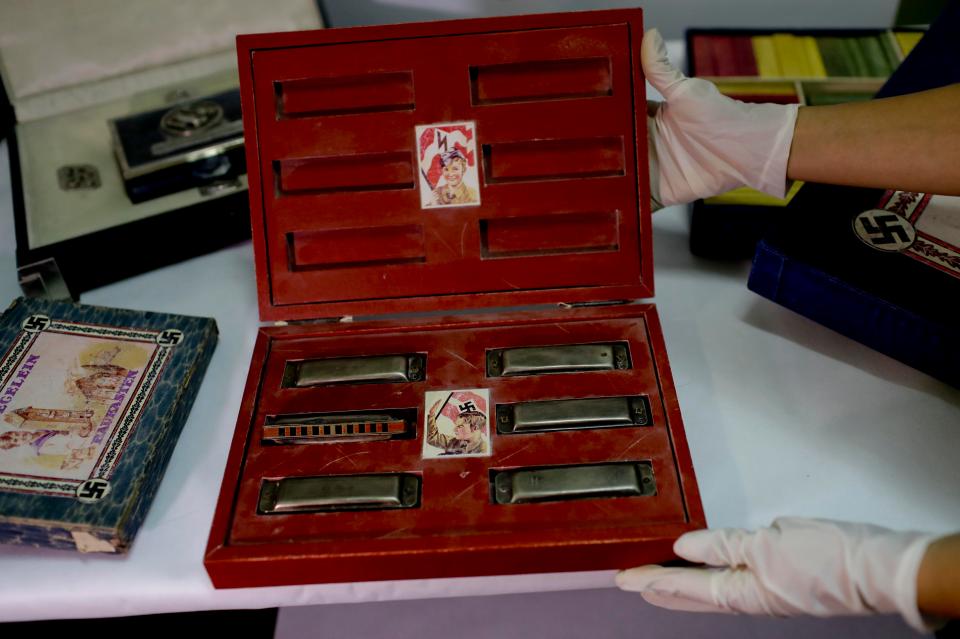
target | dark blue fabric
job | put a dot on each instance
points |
(918, 341)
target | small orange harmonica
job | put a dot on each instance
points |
(307, 429)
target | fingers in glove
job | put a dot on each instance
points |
(720, 547)
(678, 603)
(739, 590)
(693, 585)
(656, 64)
(734, 590)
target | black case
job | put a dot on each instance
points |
(68, 268)
(217, 217)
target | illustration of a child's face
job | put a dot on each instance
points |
(453, 172)
(461, 429)
(468, 427)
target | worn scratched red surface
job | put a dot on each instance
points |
(457, 530)
(334, 172)
(340, 228)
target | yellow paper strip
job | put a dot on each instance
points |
(907, 40)
(757, 88)
(790, 54)
(766, 57)
(814, 61)
(751, 197)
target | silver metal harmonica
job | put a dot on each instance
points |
(571, 358)
(353, 426)
(573, 414)
(339, 492)
(355, 370)
(528, 485)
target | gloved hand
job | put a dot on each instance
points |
(703, 143)
(796, 566)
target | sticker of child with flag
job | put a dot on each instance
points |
(458, 423)
(449, 175)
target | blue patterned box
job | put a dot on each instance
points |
(92, 401)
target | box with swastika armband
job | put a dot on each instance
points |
(881, 266)
(470, 201)
(92, 401)
(809, 67)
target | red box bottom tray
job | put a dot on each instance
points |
(457, 528)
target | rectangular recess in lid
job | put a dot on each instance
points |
(580, 159)
(362, 172)
(552, 234)
(356, 247)
(345, 95)
(555, 159)
(541, 80)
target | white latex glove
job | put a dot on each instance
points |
(794, 567)
(703, 143)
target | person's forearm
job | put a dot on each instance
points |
(910, 143)
(938, 580)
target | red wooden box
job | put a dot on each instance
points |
(350, 218)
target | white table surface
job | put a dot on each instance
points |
(783, 416)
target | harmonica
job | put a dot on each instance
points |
(556, 483)
(333, 493)
(571, 358)
(573, 414)
(325, 428)
(354, 370)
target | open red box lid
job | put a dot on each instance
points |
(447, 165)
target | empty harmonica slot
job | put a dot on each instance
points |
(339, 492)
(571, 358)
(345, 173)
(541, 80)
(354, 370)
(528, 485)
(368, 247)
(573, 414)
(553, 159)
(349, 426)
(553, 234)
(345, 95)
